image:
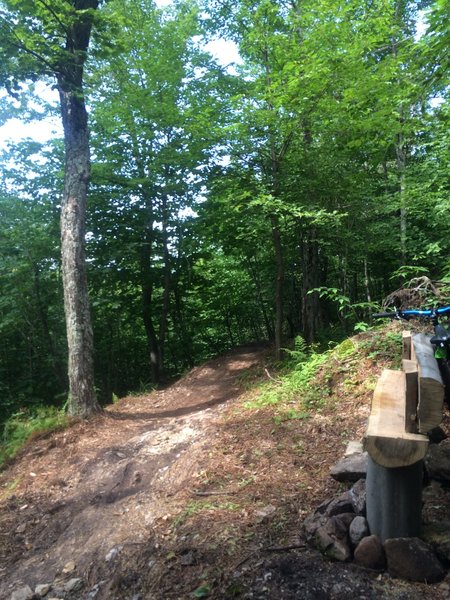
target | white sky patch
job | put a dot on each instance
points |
(224, 51)
(42, 130)
(39, 131)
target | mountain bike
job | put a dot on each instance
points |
(440, 341)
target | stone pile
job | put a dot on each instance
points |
(50, 591)
(338, 527)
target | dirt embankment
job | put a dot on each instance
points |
(184, 493)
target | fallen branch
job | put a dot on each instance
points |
(285, 548)
(272, 378)
(212, 493)
(244, 560)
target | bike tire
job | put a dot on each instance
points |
(444, 368)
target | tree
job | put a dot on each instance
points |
(32, 346)
(41, 40)
(155, 113)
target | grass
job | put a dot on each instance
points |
(23, 426)
(304, 381)
(198, 506)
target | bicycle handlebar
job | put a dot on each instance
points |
(408, 314)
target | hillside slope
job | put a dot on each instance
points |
(197, 490)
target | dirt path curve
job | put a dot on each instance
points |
(73, 500)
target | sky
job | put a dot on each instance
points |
(15, 130)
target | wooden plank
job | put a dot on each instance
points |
(411, 394)
(430, 386)
(406, 345)
(386, 440)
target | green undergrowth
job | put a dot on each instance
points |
(303, 384)
(24, 425)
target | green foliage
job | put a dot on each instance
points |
(298, 384)
(300, 353)
(386, 345)
(24, 425)
(202, 592)
(334, 128)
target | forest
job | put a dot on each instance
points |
(283, 193)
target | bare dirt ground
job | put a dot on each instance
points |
(188, 493)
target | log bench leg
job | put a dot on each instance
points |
(394, 500)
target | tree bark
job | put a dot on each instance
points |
(82, 398)
(166, 285)
(279, 313)
(311, 280)
(147, 304)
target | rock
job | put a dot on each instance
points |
(332, 537)
(412, 559)
(326, 510)
(42, 589)
(350, 468)
(358, 530)
(437, 535)
(437, 435)
(354, 447)
(358, 497)
(264, 514)
(23, 593)
(342, 504)
(369, 553)
(73, 585)
(113, 553)
(437, 461)
(69, 567)
(187, 558)
(312, 523)
(21, 528)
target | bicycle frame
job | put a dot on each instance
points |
(440, 341)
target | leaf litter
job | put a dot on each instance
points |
(194, 491)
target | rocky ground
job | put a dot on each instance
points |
(192, 492)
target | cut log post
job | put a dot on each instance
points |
(406, 405)
(387, 441)
(394, 500)
(431, 388)
(406, 345)
(411, 394)
(395, 464)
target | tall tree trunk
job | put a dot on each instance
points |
(82, 399)
(276, 240)
(57, 363)
(166, 286)
(254, 274)
(401, 150)
(311, 280)
(147, 307)
(401, 158)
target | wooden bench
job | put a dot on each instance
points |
(388, 438)
(406, 405)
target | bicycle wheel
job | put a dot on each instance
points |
(444, 369)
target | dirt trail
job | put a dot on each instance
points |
(185, 493)
(78, 497)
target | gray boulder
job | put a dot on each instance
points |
(412, 559)
(437, 535)
(350, 468)
(437, 461)
(358, 530)
(23, 593)
(369, 553)
(332, 538)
